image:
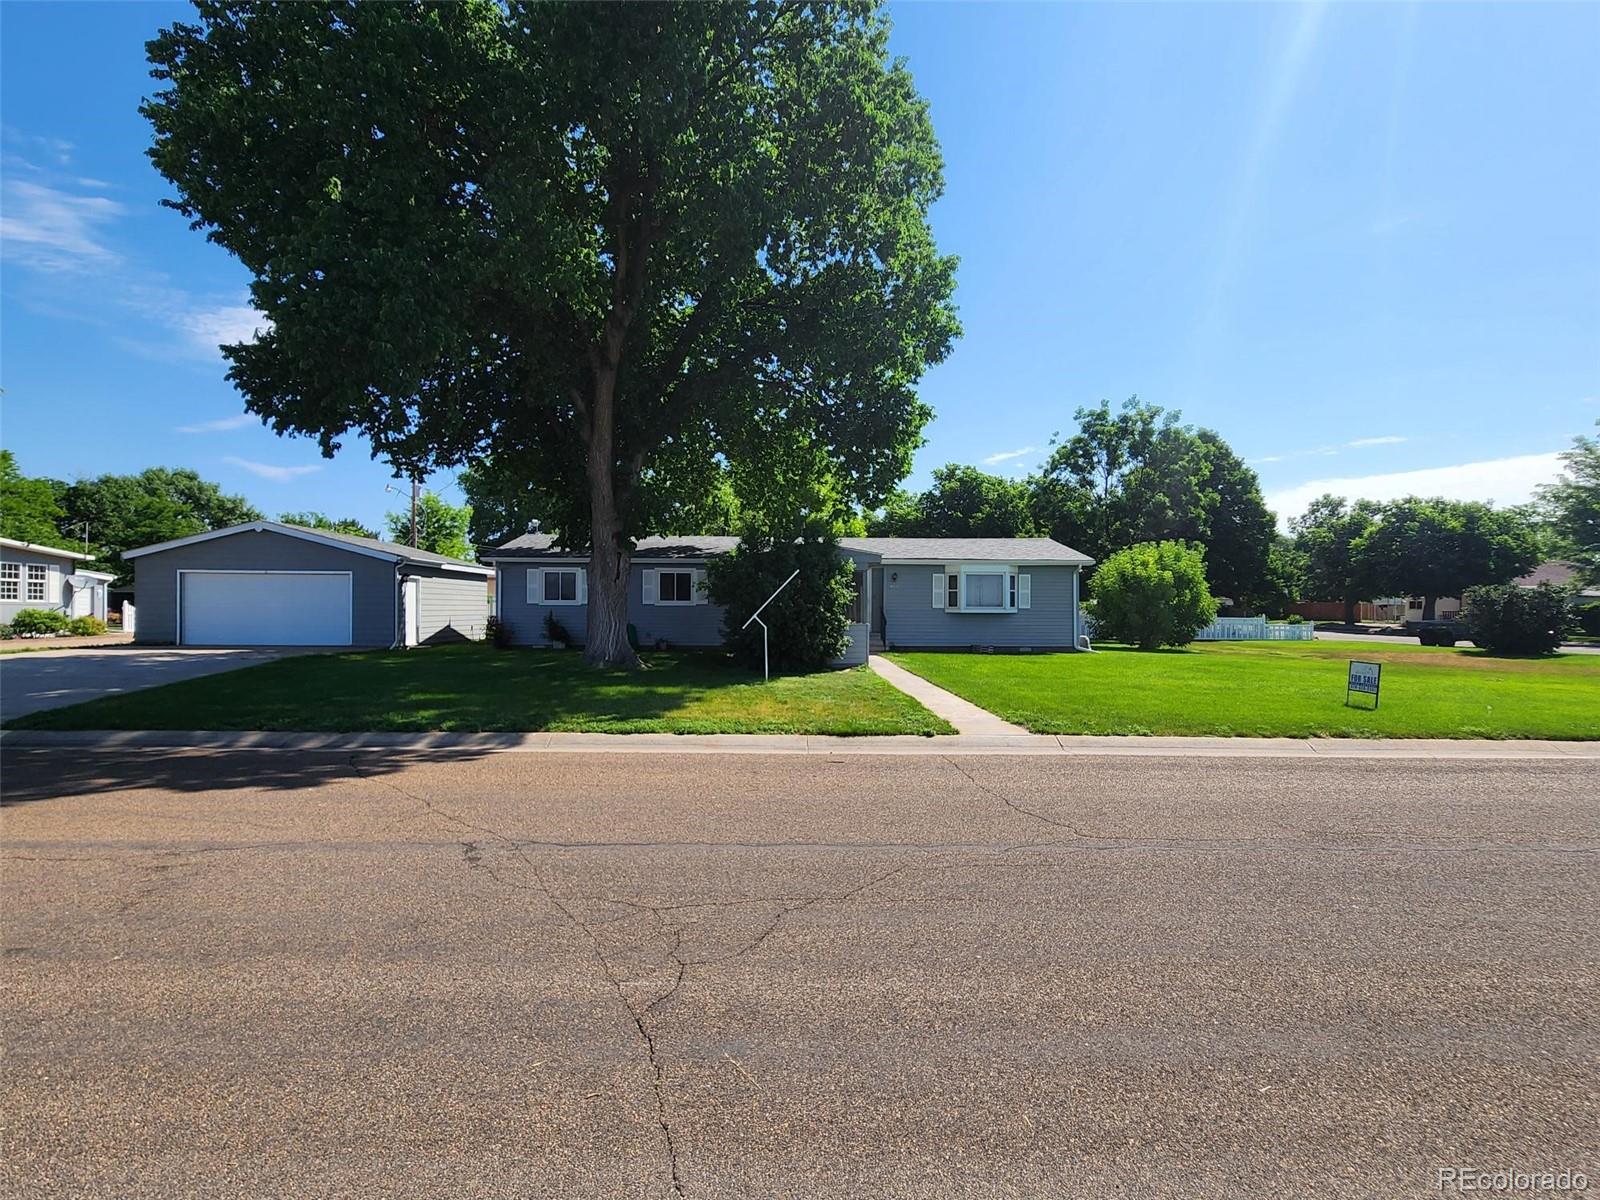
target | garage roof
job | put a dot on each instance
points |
(372, 547)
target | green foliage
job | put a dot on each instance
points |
(316, 520)
(156, 505)
(38, 622)
(1572, 505)
(30, 509)
(1284, 581)
(1587, 618)
(1326, 537)
(5, 630)
(1436, 547)
(611, 245)
(809, 621)
(441, 527)
(497, 634)
(1506, 619)
(963, 502)
(1152, 595)
(1137, 475)
(555, 631)
(86, 627)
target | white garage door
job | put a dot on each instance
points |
(265, 608)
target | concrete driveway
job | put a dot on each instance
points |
(424, 973)
(55, 678)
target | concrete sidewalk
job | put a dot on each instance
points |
(966, 716)
(809, 744)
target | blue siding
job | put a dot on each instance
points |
(677, 624)
(911, 620)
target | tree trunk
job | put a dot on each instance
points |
(1349, 610)
(606, 643)
(1427, 608)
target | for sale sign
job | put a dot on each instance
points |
(1363, 680)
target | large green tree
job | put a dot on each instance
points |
(962, 502)
(1572, 505)
(608, 243)
(1435, 547)
(30, 509)
(156, 505)
(442, 527)
(1326, 536)
(1136, 474)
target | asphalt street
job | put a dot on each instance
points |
(440, 974)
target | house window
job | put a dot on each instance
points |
(987, 591)
(10, 581)
(560, 587)
(38, 575)
(675, 587)
(952, 590)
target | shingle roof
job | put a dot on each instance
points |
(1020, 550)
(399, 549)
(366, 545)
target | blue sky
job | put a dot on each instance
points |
(1361, 241)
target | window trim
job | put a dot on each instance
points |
(579, 598)
(11, 581)
(38, 575)
(956, 575)
(662, 572)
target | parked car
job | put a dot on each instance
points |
(1437, 633)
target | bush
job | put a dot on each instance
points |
(86, 627)
(1294, 619)
(1506, 619)
(1152, 595)
(37, 622)
(1588, 618)
(555, 632)
(5, 632)
(809, 621)
(496, 634)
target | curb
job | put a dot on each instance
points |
(807, 744)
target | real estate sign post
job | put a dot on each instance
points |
(1363, 680)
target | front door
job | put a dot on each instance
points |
(876, 615)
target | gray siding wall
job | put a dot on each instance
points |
(56, 569)
(912, 621)
(677, 624)
(450, 608)
(373, 589)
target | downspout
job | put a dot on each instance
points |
(399, 634)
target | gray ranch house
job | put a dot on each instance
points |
(910, 593)
(33, 576)
(270, 584)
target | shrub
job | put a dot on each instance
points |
(37, 622)
(5, 632)
(1294, 619)
(555, 631)
(1588, 618)
(1506, 619)
(809, 621)
(86, 627)
(496, 634)
(1152, 595)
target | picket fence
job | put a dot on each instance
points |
(1255, 629)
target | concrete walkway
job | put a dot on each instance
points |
(660, 744)
(967, 717)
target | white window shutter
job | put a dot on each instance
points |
(1024, 591)
(583, 586)
(938, 589)
(651, 585)
(535, 585)
(700, 595)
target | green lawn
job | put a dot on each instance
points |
(1278, 689)
(473, 687)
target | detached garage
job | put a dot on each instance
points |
(270, 584)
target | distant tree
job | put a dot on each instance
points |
(1138, 475)
(29, 508)
(156, 505)
(316, 520)
(609, 243)
(1285, 579)
(1152, 595)
(1572, 506)
(441, 527)
(962, 502)
(1326, 536)
(1436, 547)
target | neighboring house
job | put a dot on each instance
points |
(270, 584)
(911, 593)
(33, 576)
(1554, 572)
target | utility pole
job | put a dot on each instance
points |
(413, 512)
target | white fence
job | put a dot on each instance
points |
(1255, 629)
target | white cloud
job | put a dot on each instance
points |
(219, 426)
(1377, 441)
(269, 471)
(995, 460)
(52, 230)
(1503, 480)
(1330, 451)
(206, 329)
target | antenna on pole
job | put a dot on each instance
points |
(766, 674)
